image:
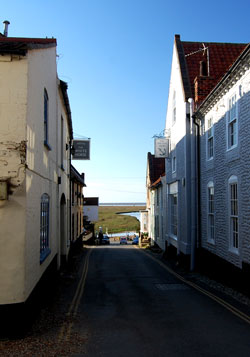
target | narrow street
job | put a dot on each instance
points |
(132, 306)
(125, 303)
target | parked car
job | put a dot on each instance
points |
(105, 239)
(135, 240)
(123, 240)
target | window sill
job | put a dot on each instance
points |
(46, 144)
(234, 251)
(211, 241)
(44, 255)
(172, 236)
(232, 147)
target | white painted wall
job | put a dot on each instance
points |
(30, 168)
(13, 100)
(91, 212)
(41, 162)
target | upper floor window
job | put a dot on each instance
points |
(174, 162)
(232, 124)
(46, 116)
(210, 227)
(174, 108)
(44, 227)
(72, 193)
(233, 214)
(62, 143)
(210, 139)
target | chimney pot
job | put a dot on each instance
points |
(203, 69)
(6, 24)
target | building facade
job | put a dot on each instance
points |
(196, 69)
(36, 131)
(77, 199)
(154, 213)
(224, 166)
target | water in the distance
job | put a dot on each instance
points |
(137, 215)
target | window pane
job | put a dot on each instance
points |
(234, 215)
(44, 223)
(211, 213)
(46, 103)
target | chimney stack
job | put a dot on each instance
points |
(6, 24)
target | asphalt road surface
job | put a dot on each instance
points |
(127, 304)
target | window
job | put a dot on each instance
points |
(72, 193)
(233, 216)
(156, 226)
(174, 109)
(73, 227)
(77, 224)
(211, 212)
(62, 144)
(174, 162)
(232, 130)
(174, 217)
(210, 139)
(46, 117)
(44, 227)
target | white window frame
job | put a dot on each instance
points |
(210, 138)
(210, 213)
(233, 200)
(232, 122)
(62, 143)
(174, 162)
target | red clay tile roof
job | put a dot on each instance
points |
(156, 167)
(218, 59)
(20, 45)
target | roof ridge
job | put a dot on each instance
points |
(216, 43)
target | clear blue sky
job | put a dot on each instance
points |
(116, 56)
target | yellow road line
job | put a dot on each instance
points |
(220, 301)
(66, 328)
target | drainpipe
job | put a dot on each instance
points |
(70, 193)
(193, 187)
(196, 121)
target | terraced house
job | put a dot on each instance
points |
(207, 169)
(224, 169)
(35, 137)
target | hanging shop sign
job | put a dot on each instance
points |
(161, 147)
(81, 150)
